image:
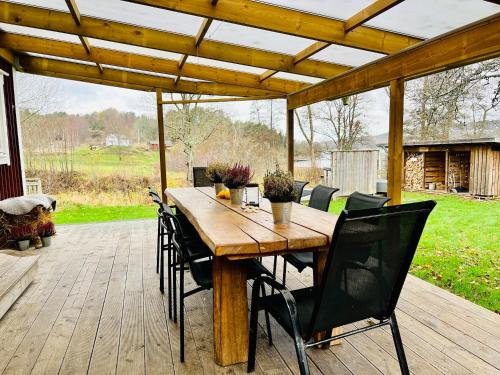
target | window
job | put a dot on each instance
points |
(4, 135)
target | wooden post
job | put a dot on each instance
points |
(446, 168)
(161, 144)
(395, 156)
(289, 138)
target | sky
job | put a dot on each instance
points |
(422, 18)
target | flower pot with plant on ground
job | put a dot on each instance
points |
(279, 188)
(46, 231)
(235, 179)
(22, 235)
(215, 173)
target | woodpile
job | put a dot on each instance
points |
(414, 171)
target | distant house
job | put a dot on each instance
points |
(117, 140)
(154, 145)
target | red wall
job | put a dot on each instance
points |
(11, 183)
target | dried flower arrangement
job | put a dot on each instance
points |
(279, 186)
(22, 232)
(238, 176)
(216, 171)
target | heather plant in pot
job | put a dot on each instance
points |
(279, 188)
(46, 231)
(235, 179)
(215, 173)
(23, 235)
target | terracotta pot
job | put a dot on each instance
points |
(282, 212)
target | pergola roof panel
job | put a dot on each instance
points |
(429, 18)
(30, 31)
(346, 55)
(225, 65)
(257, 38)
(134, 49)
(121, 11)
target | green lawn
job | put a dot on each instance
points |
(78, 213)
(458, 251)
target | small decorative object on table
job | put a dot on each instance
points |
(23, 235)
(215, 173)
(46, 231)
(252, 195)
(279, 188)
(236, 178)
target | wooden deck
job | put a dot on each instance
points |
(95, 307)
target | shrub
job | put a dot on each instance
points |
(279, 186)
(216, 171)
(238, 176)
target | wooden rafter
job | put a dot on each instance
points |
(48, 19)
(471, 43)
(75, 13)
(366, 14)
(221, 100)
(39, 65)
(299, 57)
(288, 21)
(24, 43)
(197, 41)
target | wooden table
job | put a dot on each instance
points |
(232, 235)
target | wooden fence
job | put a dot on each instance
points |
(354, 171)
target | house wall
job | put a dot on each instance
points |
(11, 180)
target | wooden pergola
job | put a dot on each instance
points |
(406, 57)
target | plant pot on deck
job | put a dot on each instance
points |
(23, 244)
(46, 241)
(282, 212)
(236, 195)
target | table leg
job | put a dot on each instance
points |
(230, 312)
(319, 266)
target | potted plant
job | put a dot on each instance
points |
(279, 188)
(215, 173)
(22, 234)
(46, 231)
(236, 178)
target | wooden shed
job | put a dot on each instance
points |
(471, 166)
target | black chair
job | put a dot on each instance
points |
(201, 270)
(350, 290)
(299, 187)
(360, 201)
(321, 197)
(200, 178)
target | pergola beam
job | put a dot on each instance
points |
(472, 43)
(288, 21)
(39, 65)
(23, 43)
(48, 19)
(222, 100)
(366, 14)
(75, 13)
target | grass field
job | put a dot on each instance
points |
(459, 249)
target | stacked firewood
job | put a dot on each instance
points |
(414, 171)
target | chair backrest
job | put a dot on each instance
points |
(321, 196)
(299, 188)
(172, 224)
(360, 201)
(367, 264)
(200, 178)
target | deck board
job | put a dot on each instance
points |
(94, 307)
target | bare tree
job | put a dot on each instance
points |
(305, 120)
(191, 126)
(342, 122)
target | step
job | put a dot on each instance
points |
(17, 271)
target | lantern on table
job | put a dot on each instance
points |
(252, 195)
